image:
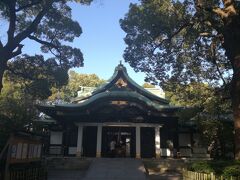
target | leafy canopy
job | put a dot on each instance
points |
(75, 82)
(178, 41)
(17, 110)
(209, 112)
(186, 44)
(48, 23)
(148, 85)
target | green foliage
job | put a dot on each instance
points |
(36, 75)
(165, 40)
(76, 80)
(17, 110)
(233, 170)
(148, 85)
(225, 168)
(88, 80)
(208, 111)
(202, 166)
(189, 44)
(189, 95)
(45, 22)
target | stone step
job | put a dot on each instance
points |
(68, 163)
(165, 165)
(200, 155)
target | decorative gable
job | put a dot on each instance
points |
(121, 83)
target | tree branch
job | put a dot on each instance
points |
(206, 34)
(18, 51)
(227, 11)
(214, 58)
(49, 44)
(30, 29)
(12, 20)
(1, 44)
(219, 72)
(210, 35)
(185, 25)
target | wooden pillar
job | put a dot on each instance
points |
(99, 141)
(138, 141)
(79, 141)
(157, 142)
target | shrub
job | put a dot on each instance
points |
(225, 168)
(233, 170)
(201, 166)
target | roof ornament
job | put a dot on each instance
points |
(121, 83)
(120, 67)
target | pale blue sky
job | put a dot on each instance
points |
(102, 41)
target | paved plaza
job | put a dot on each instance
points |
(112, 169)
(65, 174)
(117, 169)
(104, 169)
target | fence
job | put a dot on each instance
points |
(22, 158)
(39, 173)
(190, 175)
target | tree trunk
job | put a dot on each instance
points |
(231, 45)
(5, 55)
(237, 133)
(236, 112)
(3, 66)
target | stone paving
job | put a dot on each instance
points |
(112, 169)
(117, 169)
(165, 176)
(65, 174)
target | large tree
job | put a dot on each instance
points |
(46, 22)
(187, 41)
(75, 82)
(209, 111)
(17, 110)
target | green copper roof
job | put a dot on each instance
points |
(98, 98)
(121, 72)
(116, 95)
(105, 93)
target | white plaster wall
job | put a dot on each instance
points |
(165, 152)
(56, 137)
(156, 91)
(72, 150)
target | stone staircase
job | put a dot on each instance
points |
(165, 165)
(167, 169)
(66, 163)
(200, 153)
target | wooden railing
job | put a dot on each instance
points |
(24, 172)
(190, 175)
(56, 150)
(22, 158)
(38, 173)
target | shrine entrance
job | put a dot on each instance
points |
(118, 141)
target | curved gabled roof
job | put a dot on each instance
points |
(127, 90)
(52, 110)
(121, 72)
(114, 95)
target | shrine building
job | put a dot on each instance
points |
(121, 114)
